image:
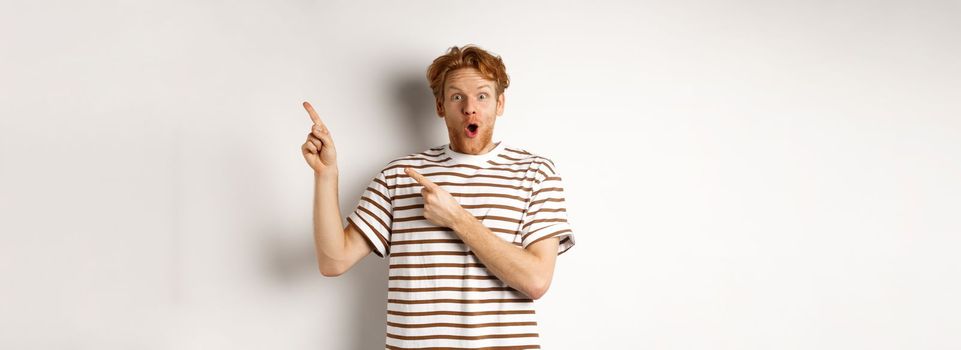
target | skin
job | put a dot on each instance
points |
(468, 98)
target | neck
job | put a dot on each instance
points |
(475, 150)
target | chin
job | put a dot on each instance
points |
(468, 145)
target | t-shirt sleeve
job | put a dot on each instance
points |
(546, 215)
(374, 215)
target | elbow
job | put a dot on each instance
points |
(538, 289)
(536, 293)
(332, 273)
(330, 270)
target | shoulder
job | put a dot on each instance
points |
(433, 155)
(537, 161)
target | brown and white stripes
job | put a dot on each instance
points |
(440, 296)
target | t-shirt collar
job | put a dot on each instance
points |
(474, 159)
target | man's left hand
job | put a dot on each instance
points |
(440, 207)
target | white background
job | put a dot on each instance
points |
(740, 174)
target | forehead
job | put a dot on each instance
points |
(467, 79)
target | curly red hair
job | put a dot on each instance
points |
(469, 56)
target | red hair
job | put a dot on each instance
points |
(469, 56)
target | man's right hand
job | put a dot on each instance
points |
(319, 150)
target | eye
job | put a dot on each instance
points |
(455, 98)
(482, 97)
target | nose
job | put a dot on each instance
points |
(470, 107)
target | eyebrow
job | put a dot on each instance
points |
(479, 87)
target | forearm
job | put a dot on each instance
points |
(513, 265)
(329, 238)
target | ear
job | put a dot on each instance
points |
(439, 105)
(500, 104)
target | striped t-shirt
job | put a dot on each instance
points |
(439, 294)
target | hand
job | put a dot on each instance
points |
(440, 207)
(319, 150)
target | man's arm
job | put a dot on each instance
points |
(337, 248)
(527, 270)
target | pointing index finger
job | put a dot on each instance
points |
(419, 178)
(313, 113)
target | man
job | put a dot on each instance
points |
(472, 228)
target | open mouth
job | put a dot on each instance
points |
(472, 130)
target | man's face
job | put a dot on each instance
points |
(470, 109)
